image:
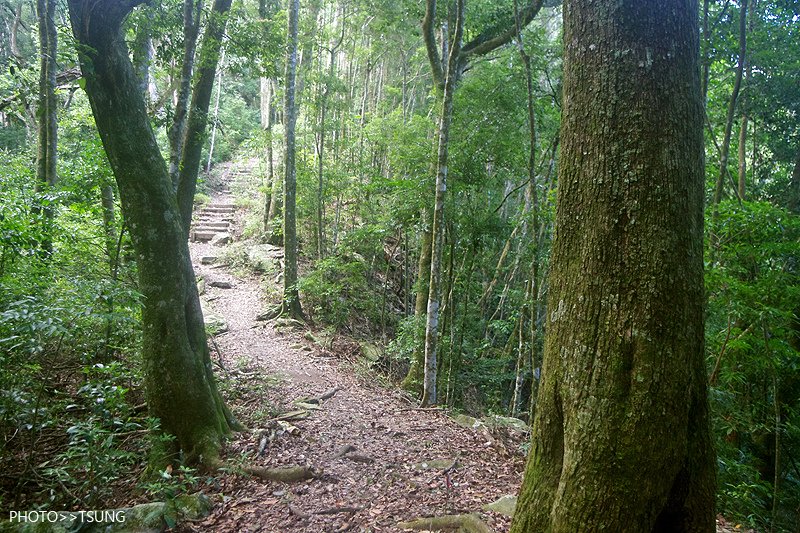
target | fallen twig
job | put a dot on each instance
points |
(337, 510)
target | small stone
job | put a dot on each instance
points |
(208, 259)
(221, 284)
(221, 239)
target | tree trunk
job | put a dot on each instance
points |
(291, 297)
(14, 37)
(216, 113)
(737, 83)
(197, 120)
(413, 380)
(46, 156)
(192, 9)
(179, 381)
(266, 123)
(621, 437)
(432, 316)
(794, 187)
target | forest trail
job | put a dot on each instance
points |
(380, 460)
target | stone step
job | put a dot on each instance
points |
(226, 205)
(211, 225)
(213, 209)
(202, 236)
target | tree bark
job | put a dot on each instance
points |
(47, 113)
(192, 10)
(179, 380)
(291, 297)
(429, 396)
(47, 109)
(621, 438)
(197, 120)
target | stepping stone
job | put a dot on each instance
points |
(208, 259)
(221, 284)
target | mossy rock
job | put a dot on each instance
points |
(505, 505)
(467, 421)
(370, 352)
(515, 424)
(264, 257)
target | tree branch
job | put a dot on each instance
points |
(492, 39)
(430, 44)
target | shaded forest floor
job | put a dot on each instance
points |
(379, 459)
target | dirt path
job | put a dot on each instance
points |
(397, 468)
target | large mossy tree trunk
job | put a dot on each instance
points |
(179, 381)
(621, 437)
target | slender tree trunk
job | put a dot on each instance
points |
(706, 58)
(794, 188)
(179, 380)
(621, 438)
(737, 83)
(413, 380)
(429, 396)
(266, 123)
(291, 297)
(47, 110)
(107, 202)
(748, 74)
(192, 9)
(14, 37)
(197, 120)
(215, 121)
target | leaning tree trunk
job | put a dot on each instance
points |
(192, 10)
(197, 119)
(179, 381)
(621, 438)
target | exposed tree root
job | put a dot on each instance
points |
(468, 523)
(285, 474)
(358, 458)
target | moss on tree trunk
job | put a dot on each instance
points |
(179, 380)
(621, 437)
